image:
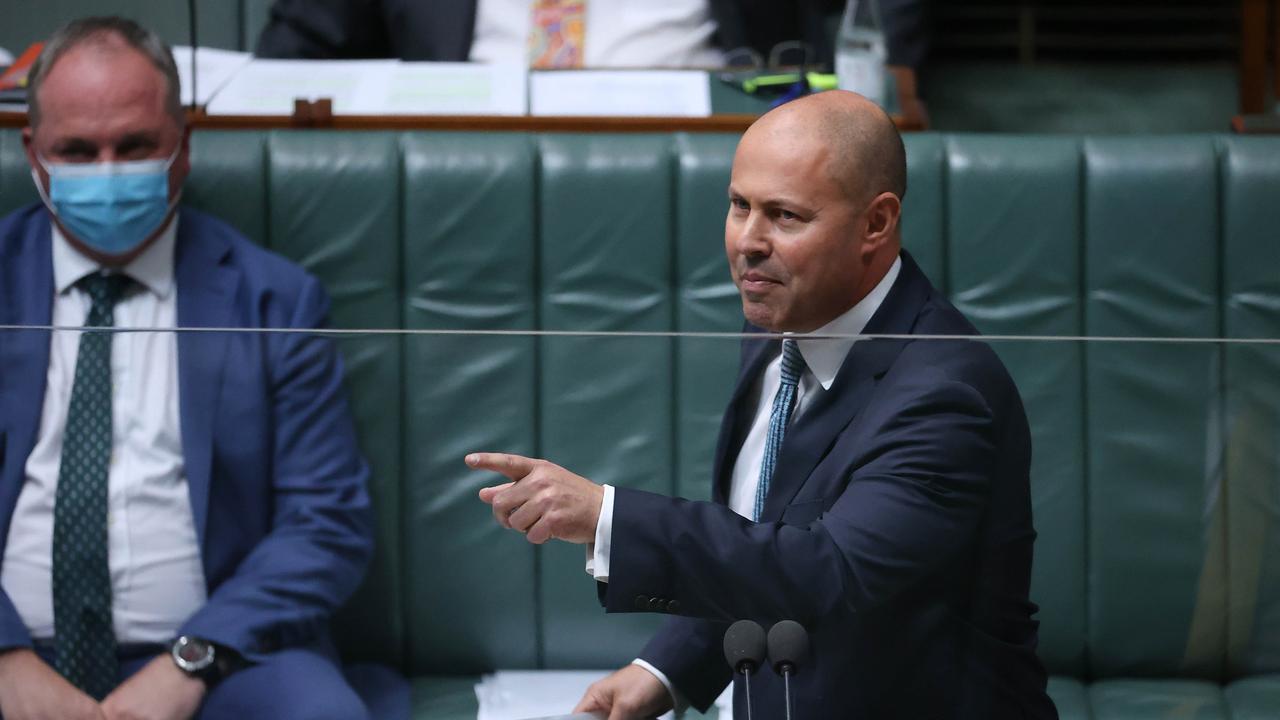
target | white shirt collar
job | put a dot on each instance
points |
(825, 356)
(153, 269)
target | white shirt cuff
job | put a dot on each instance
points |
(598, 551)
(678, 702)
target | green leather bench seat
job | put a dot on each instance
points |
(1156, 471)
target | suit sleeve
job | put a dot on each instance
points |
(13, 633)
(690, 652)
(285, 591)
(324, 30)
(905, 512)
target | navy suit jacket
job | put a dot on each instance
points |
(277, 483)
(897, 530)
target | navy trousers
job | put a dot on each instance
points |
(299, 683)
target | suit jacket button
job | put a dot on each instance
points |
(642, 602)
(673, 606)
(656, 604)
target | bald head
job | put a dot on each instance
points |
(864, 152)
(814, 203)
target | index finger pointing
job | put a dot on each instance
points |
(514, 467)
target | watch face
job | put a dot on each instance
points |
(192, 654)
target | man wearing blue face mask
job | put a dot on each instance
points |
(180, 512)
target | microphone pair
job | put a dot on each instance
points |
(745, 647)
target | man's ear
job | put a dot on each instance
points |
(882, 220)
(182, 164)
(29, 147)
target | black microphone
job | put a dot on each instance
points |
(744, 647)
(788, 648)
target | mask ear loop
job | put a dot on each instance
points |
(44, 194)
(177, 197)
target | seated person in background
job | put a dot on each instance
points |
(180, 513)
(876, 492)
(543, 33)
(908, 38)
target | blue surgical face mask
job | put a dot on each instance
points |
(110, 207)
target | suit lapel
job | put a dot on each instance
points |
(812, 435)
(26, 298)
(206, 287)
(756, 353)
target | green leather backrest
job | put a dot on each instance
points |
(16, 188)
(1151, 268)
(1156, 474)
(469, 262)
(706, 301)
(1013, 258)
(605, 227)
(1250, 176)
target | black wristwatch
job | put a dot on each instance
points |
(201, 659)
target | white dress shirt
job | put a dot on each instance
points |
(822, 359)
(617, 33)
(153, 554)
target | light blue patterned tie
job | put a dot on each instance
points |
(86, 642)
(783, 405)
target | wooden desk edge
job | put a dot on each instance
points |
(1256, 124)
(732, 123)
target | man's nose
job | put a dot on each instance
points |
(753, 236)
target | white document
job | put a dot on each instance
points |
(547, 694)
(374, 87)
(524, 694)
(423, 88)
(269, 87)
(647, 93)
(214, 68)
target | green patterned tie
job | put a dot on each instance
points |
(86, 643)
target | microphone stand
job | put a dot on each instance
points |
(191, 6)
(786, 689)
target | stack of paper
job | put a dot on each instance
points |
(523, 694)
(374, 87)
(652, 93)
(214, 68)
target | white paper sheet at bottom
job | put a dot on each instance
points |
(526, 694)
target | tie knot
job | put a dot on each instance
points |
(105, 290)
(792, 362)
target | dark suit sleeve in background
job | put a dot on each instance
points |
(907, 32)
(325, 29)
(415, 30)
